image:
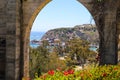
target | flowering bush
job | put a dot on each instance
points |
(51, 72)
(108, 72)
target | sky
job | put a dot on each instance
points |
(61, 13)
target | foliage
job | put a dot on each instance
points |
(109, 72)
(55, 62)
(78, 51)
(59, 50)
(39, 58)
(41, 61)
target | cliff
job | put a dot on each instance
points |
(87, 32)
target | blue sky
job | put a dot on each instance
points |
(61, 13)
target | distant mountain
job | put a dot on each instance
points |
(87, 32)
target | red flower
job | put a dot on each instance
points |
(68, 72)
(115, 68)
(71, 71)
(51, 72)
(104, 74)
(65, 73)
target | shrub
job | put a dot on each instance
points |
(107, 72)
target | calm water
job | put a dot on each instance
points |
(35, 36)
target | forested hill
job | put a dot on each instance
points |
(86, 32)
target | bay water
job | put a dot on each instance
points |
(35, 36)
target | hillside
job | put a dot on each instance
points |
(86, 32)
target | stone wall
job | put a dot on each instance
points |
(9, 40)
(17, 17)
(2, 38)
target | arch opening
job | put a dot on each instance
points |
(31, 21)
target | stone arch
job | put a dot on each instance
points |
(36, 10)
(108, 52)
(43, 4)
(39, 5)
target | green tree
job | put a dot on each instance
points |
(78, 51)
(41, 60)
(59, 50)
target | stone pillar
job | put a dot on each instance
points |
(104, 14)
(107, 28)
(2, 38)
(12, 40)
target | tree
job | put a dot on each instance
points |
(78, 51)
(41, 60)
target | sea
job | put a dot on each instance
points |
(35, 36)
(38, 35)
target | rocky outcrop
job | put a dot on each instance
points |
(87, 32)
